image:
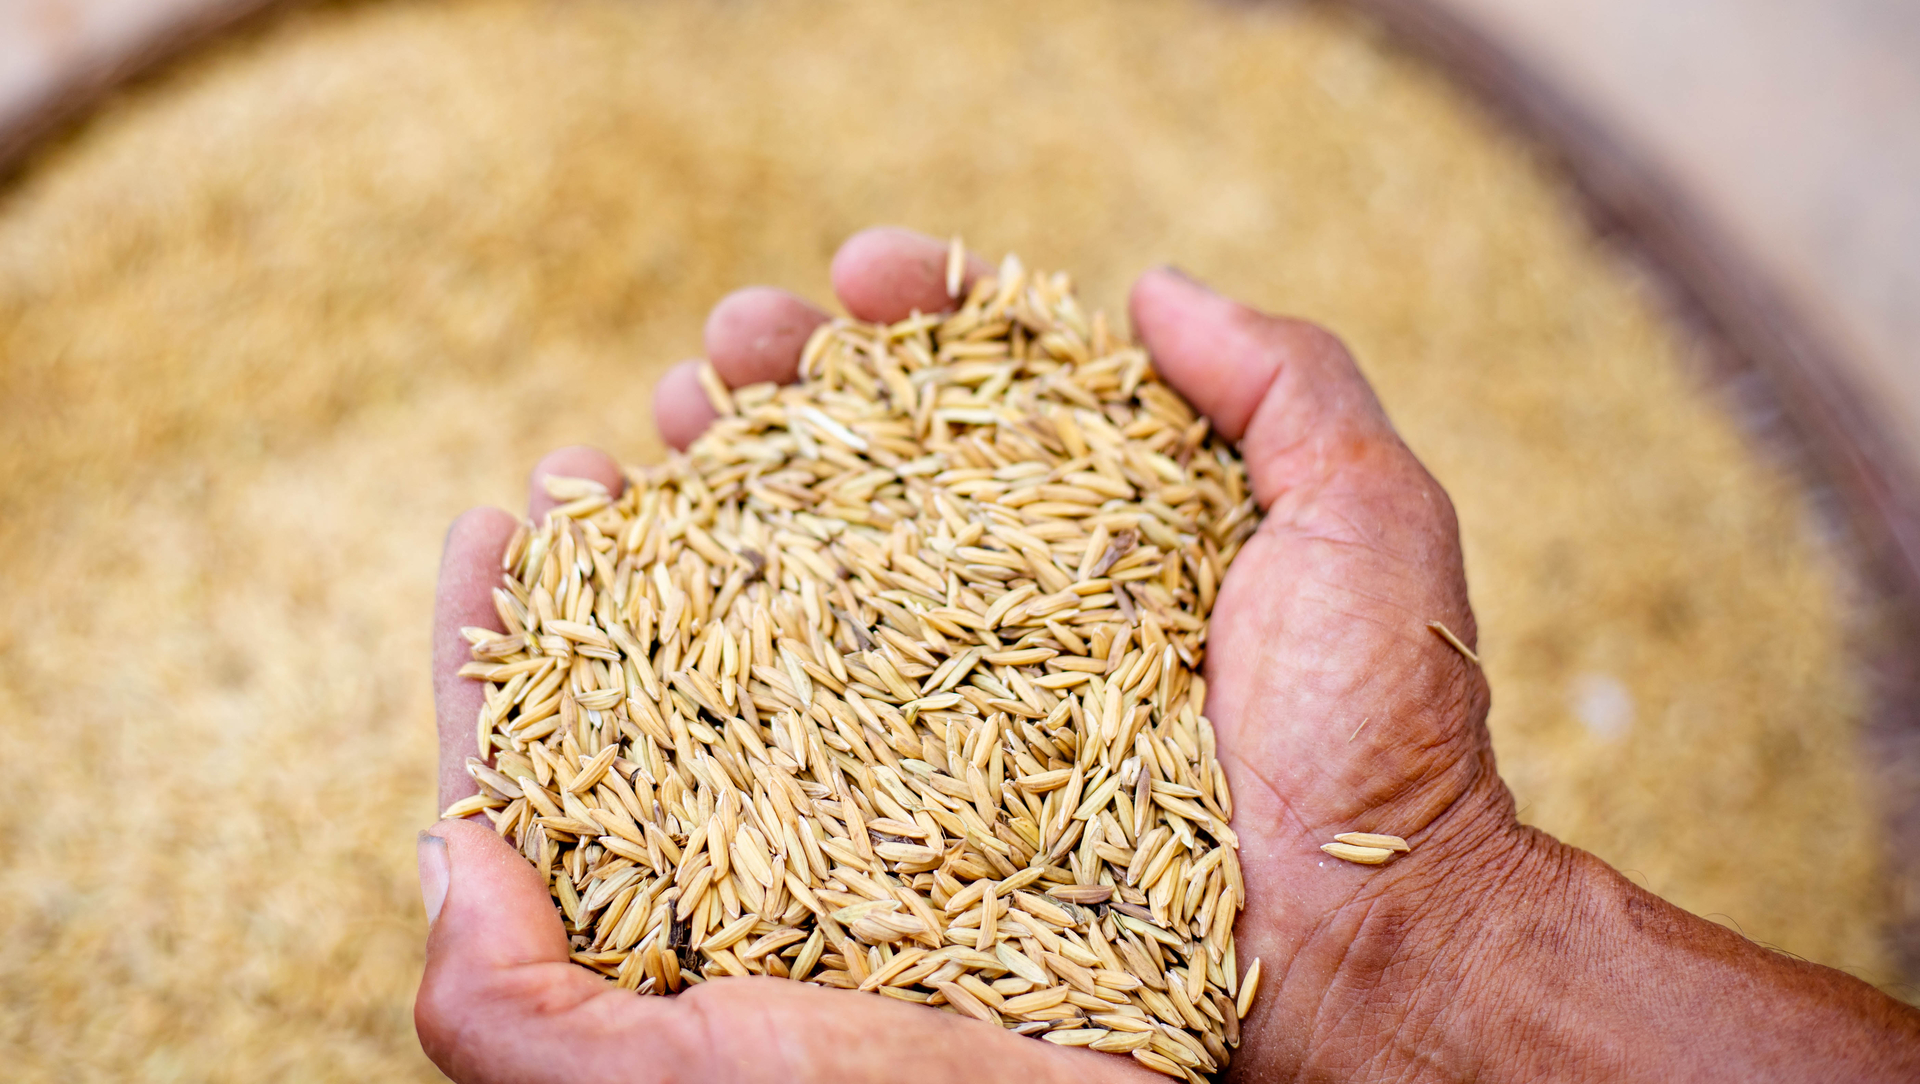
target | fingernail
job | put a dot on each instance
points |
(1184, 275)
(436, 869)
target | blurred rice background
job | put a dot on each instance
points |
(268, 321)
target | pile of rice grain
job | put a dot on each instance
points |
(271, 320)
(889, 684)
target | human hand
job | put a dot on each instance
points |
(1491, 951)
(500, 1001)
(1336, 710)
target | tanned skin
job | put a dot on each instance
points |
(1491, 952)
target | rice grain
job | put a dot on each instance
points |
(878, 686)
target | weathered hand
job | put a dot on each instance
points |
(1336, 709)
(1491, 951)
(500, 1002)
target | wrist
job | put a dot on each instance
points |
(1498, 1006)
(1559, 968)
(1497, 911)
(1402, 980)
(1468, 955)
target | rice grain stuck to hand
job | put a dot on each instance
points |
(890, 683)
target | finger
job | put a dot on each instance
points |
(887, 273)
(577, 461)
(681, 411)
(680, 405)
(500, 1001)
(469, 570)
(755, 335)
(846, 1037)
(1284, 389)
(496, 911)
(1347, 503)
(1321, 455)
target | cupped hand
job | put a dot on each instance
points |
(1336, 707)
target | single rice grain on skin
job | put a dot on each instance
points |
(1365, 856)
(1371, 839)
(891, 684)
(1454, 641)
(1249, 987)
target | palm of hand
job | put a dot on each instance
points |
(1320, 629)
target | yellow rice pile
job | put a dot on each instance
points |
(270, 322)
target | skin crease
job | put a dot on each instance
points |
(1489, 952)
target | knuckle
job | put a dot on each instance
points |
(434, 1014)
(1311, 339)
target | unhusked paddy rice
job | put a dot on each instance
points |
(279, 314)
(890, 684)
(1350, 852)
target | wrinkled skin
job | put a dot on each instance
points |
(1488, 952)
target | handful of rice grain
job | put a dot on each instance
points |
(889, 684)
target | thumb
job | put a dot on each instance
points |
(1348, 506)
(499, 999)
(501, 1003)
(1285, 390)
(498, 915)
